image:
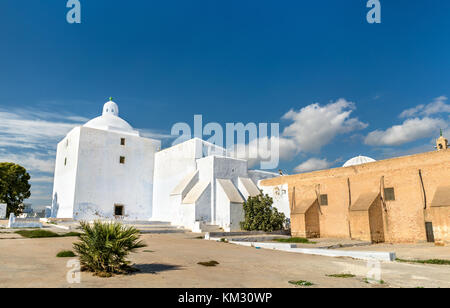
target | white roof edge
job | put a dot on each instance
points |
(231, 191)
(181, 186)
(196, 192)
(250, 186)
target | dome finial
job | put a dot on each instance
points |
(110, 98)
(441, 132)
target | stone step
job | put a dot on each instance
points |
(211, 228)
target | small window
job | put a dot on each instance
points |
(122, 141)
(118, 210)
(389, 194)
(65, 161)
(324, 200)
(122, 159)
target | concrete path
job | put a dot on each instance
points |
(170, 260)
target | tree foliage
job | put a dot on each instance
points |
(14, 187)
(261, 216)
(103, 247)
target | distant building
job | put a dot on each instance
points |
(404, 199)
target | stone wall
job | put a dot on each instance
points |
(415, 179)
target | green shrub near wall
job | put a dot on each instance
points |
(260, 215)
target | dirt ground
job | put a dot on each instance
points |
(170, 260)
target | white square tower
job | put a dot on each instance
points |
(104, 170)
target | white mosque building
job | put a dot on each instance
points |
(106, 170)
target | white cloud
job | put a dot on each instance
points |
(263, 149)
(313, 164)
(155, 134)
(438, 105)
(314, 126)
(410, 130)
(29, 137)
(311, 128)
(31, 161)
(29, 129)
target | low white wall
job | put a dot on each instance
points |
(23, 223)
(363, 255)
(2, 210)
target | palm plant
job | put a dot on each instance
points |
(103, 247)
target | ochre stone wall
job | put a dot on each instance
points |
(415, 180)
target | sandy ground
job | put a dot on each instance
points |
(170, 260)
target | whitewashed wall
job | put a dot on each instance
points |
(280, 196)
(65, 175)
(101, 181)
(172, 165)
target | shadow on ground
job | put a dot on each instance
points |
(155, 268)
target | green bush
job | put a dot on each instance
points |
(261, 216)
(103, 247)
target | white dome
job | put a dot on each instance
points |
(359, 160)
(110, 120)
(110, 108)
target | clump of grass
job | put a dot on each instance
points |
(148, 251)
(71, 234)
(301, 240)
(366, 280)
(302, 283)
(430, 261)
(209, 263)
(37, 233)
(44, 233)
(65, 254)
(341, 275)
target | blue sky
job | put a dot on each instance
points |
(338, 86)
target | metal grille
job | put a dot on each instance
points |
(323, 199)
(389, 194)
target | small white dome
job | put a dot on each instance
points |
(110, 120)
(359, 160)
(110, 108)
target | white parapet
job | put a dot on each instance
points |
(362, 255)
(2, 210)
(22, 223)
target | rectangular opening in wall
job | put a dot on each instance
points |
(122, 159)
(65, 161)
(389, 194)
(118, 210)
(323, 200)
(429, 231)
(122, 141)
